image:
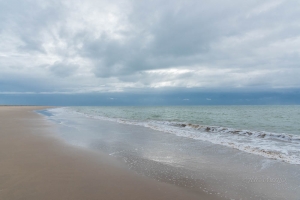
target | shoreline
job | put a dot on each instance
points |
(194, 165)
(37, 167)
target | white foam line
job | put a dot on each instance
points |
(259, 143)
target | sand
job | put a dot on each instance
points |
(35, 165)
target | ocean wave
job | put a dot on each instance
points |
(259, 134)
(283, 147)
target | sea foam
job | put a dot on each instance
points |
(282, 147)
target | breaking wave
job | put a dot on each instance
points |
(283, 147)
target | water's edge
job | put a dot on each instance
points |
(183, 161)
(279, 146)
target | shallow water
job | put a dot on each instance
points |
(269, 131)
(183, 161)
(277, 119)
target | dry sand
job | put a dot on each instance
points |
(34, 166)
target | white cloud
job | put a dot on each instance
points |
(100, 46)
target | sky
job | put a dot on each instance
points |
(52, 51)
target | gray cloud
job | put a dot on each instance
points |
(63, 69)
(28, 20)
(150, 44)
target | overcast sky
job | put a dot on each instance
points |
(90, 46)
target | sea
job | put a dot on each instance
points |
(228, 151)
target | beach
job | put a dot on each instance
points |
(35, 164)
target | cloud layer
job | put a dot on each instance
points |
(77, 46)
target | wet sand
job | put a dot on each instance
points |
(34, 165)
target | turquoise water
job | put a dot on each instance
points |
(269, 131)
(277, 119)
